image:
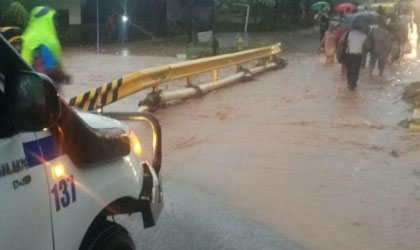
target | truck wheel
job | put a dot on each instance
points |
(111, 236)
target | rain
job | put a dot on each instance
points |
(294, 158)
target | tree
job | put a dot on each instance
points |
(15, 12)
(16, 15)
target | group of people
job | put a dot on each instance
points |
(387, 41)
(39, 44)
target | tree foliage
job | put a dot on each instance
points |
(16, 15)
(15, 12)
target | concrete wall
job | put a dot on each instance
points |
(71, 30)
(75, 11)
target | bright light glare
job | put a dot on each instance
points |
(135, 143)
(58, 171)
(124, 18)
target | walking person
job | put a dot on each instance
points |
(379, 38)
(382, 14)
(396, 33)
(367, 49)
(347, 13)
(41, 48)
(412, 37)
(324, 23)
(355, 41)
(329, 44)
(110, 27)
(341, 42)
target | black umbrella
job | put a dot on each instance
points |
(362, 19)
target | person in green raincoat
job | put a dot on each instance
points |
(41, 48)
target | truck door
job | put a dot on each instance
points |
(25, 216)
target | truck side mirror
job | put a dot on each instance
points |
(32, 101)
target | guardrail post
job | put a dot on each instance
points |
(239, 67)
(189, 81)
(262, 62)
(215, 75)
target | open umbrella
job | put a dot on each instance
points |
(320, 6)
(345, 7)
(362, 19)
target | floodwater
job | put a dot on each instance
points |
(291, 160)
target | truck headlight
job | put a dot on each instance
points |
(58, 171)
(135, 143)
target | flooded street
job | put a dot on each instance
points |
(291, 160)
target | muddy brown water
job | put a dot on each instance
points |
(292, 160)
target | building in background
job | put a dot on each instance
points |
(158, 18)
(69, 20)
(77, 19)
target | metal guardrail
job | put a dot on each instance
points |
(152, 77)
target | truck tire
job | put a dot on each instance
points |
(111, 236)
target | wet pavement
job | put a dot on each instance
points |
(292, 160)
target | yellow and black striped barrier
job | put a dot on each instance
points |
(101, 96)
(149, 78)
(120, 88)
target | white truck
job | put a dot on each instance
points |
(65, 173)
